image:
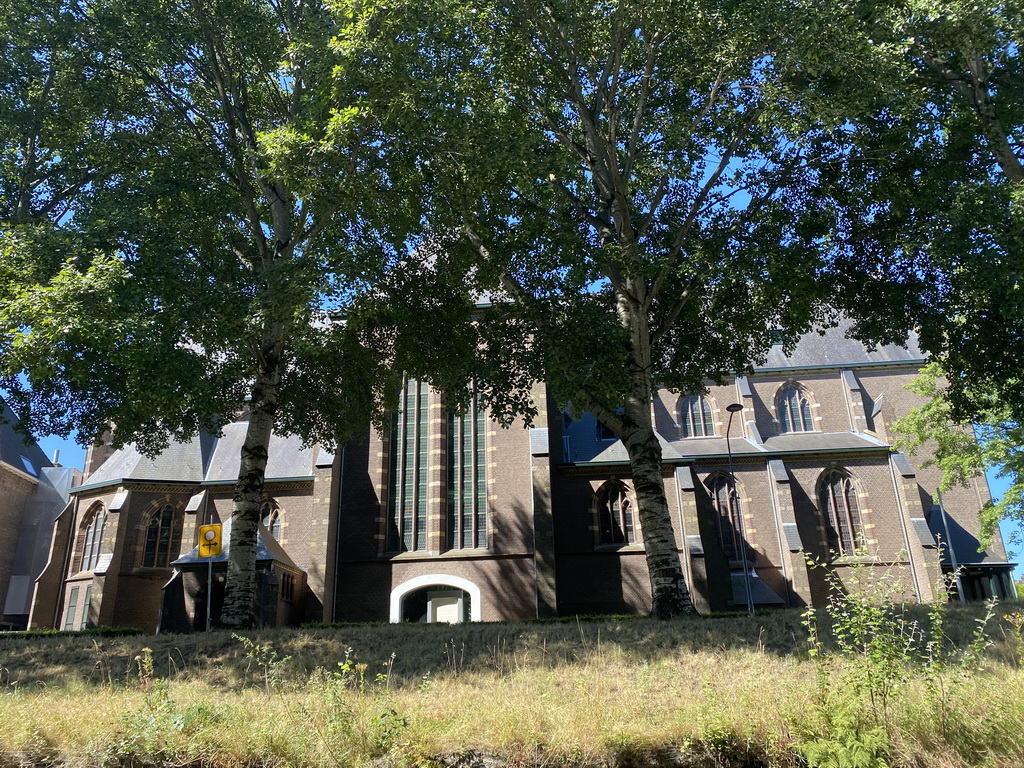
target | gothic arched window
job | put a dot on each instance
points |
(839, 505)
(728, 518)
(794, 410)
(163, 538)
(615, 514)
(270, 516)
(695, 419)
(92, 544)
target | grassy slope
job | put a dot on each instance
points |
(724, 691)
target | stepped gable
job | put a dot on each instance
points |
(13, 450)
(832, 348)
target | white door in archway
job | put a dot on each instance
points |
(445, 607)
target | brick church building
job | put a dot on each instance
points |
(449, 517)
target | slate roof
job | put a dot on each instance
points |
(267, 548)
(13, 451)
(832, 348)
(585, 444)
(205, 458)
(586, 447)
(828, 349)
(760, 593)
(822, 441)
(181, 462)
(288, 458)
(965, 544)
(698, 447)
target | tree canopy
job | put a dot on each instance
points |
(933, 196)
(636, 190)
(643, 193)
(963, 451)
(241, 195)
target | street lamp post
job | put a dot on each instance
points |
(734, 512)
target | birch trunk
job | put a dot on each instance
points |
(239, 611)
(670, 595)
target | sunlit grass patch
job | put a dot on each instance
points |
(724, 691)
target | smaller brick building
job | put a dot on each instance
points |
(449, 517)
(33, 491)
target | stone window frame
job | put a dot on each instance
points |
(272, 517)
(430, 428)
(409, 533)
(287, 586)
(456, 535)
(837, 513)
(71, 609)
(176, 525)
(623, 516)
(730, 540)
(688, 425)
(90, 544)
(789, 394)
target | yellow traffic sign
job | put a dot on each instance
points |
(209, 540)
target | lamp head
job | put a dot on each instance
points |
(734, 408)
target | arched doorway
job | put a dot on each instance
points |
(436, 598)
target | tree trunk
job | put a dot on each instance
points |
(670, 596)
(669, 593)
(239, 611)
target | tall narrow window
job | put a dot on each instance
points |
(407, 496)
(163, 538)
(84, 623)
(69, 615)
(695, 418)
(840, 506)
(93, 542)
(270, 516)
(794, 410)
(467, 478)
(615, 514)
(728, 516)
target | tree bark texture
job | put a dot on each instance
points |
(670, 595)
(634, 425)
(240, 595)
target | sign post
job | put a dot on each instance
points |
(209, 547)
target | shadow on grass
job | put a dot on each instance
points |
(435, 649)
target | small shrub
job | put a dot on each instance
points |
(270, 663)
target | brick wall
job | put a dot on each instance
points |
(15, 488)
(367, 574)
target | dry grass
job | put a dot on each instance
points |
(632, 692)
